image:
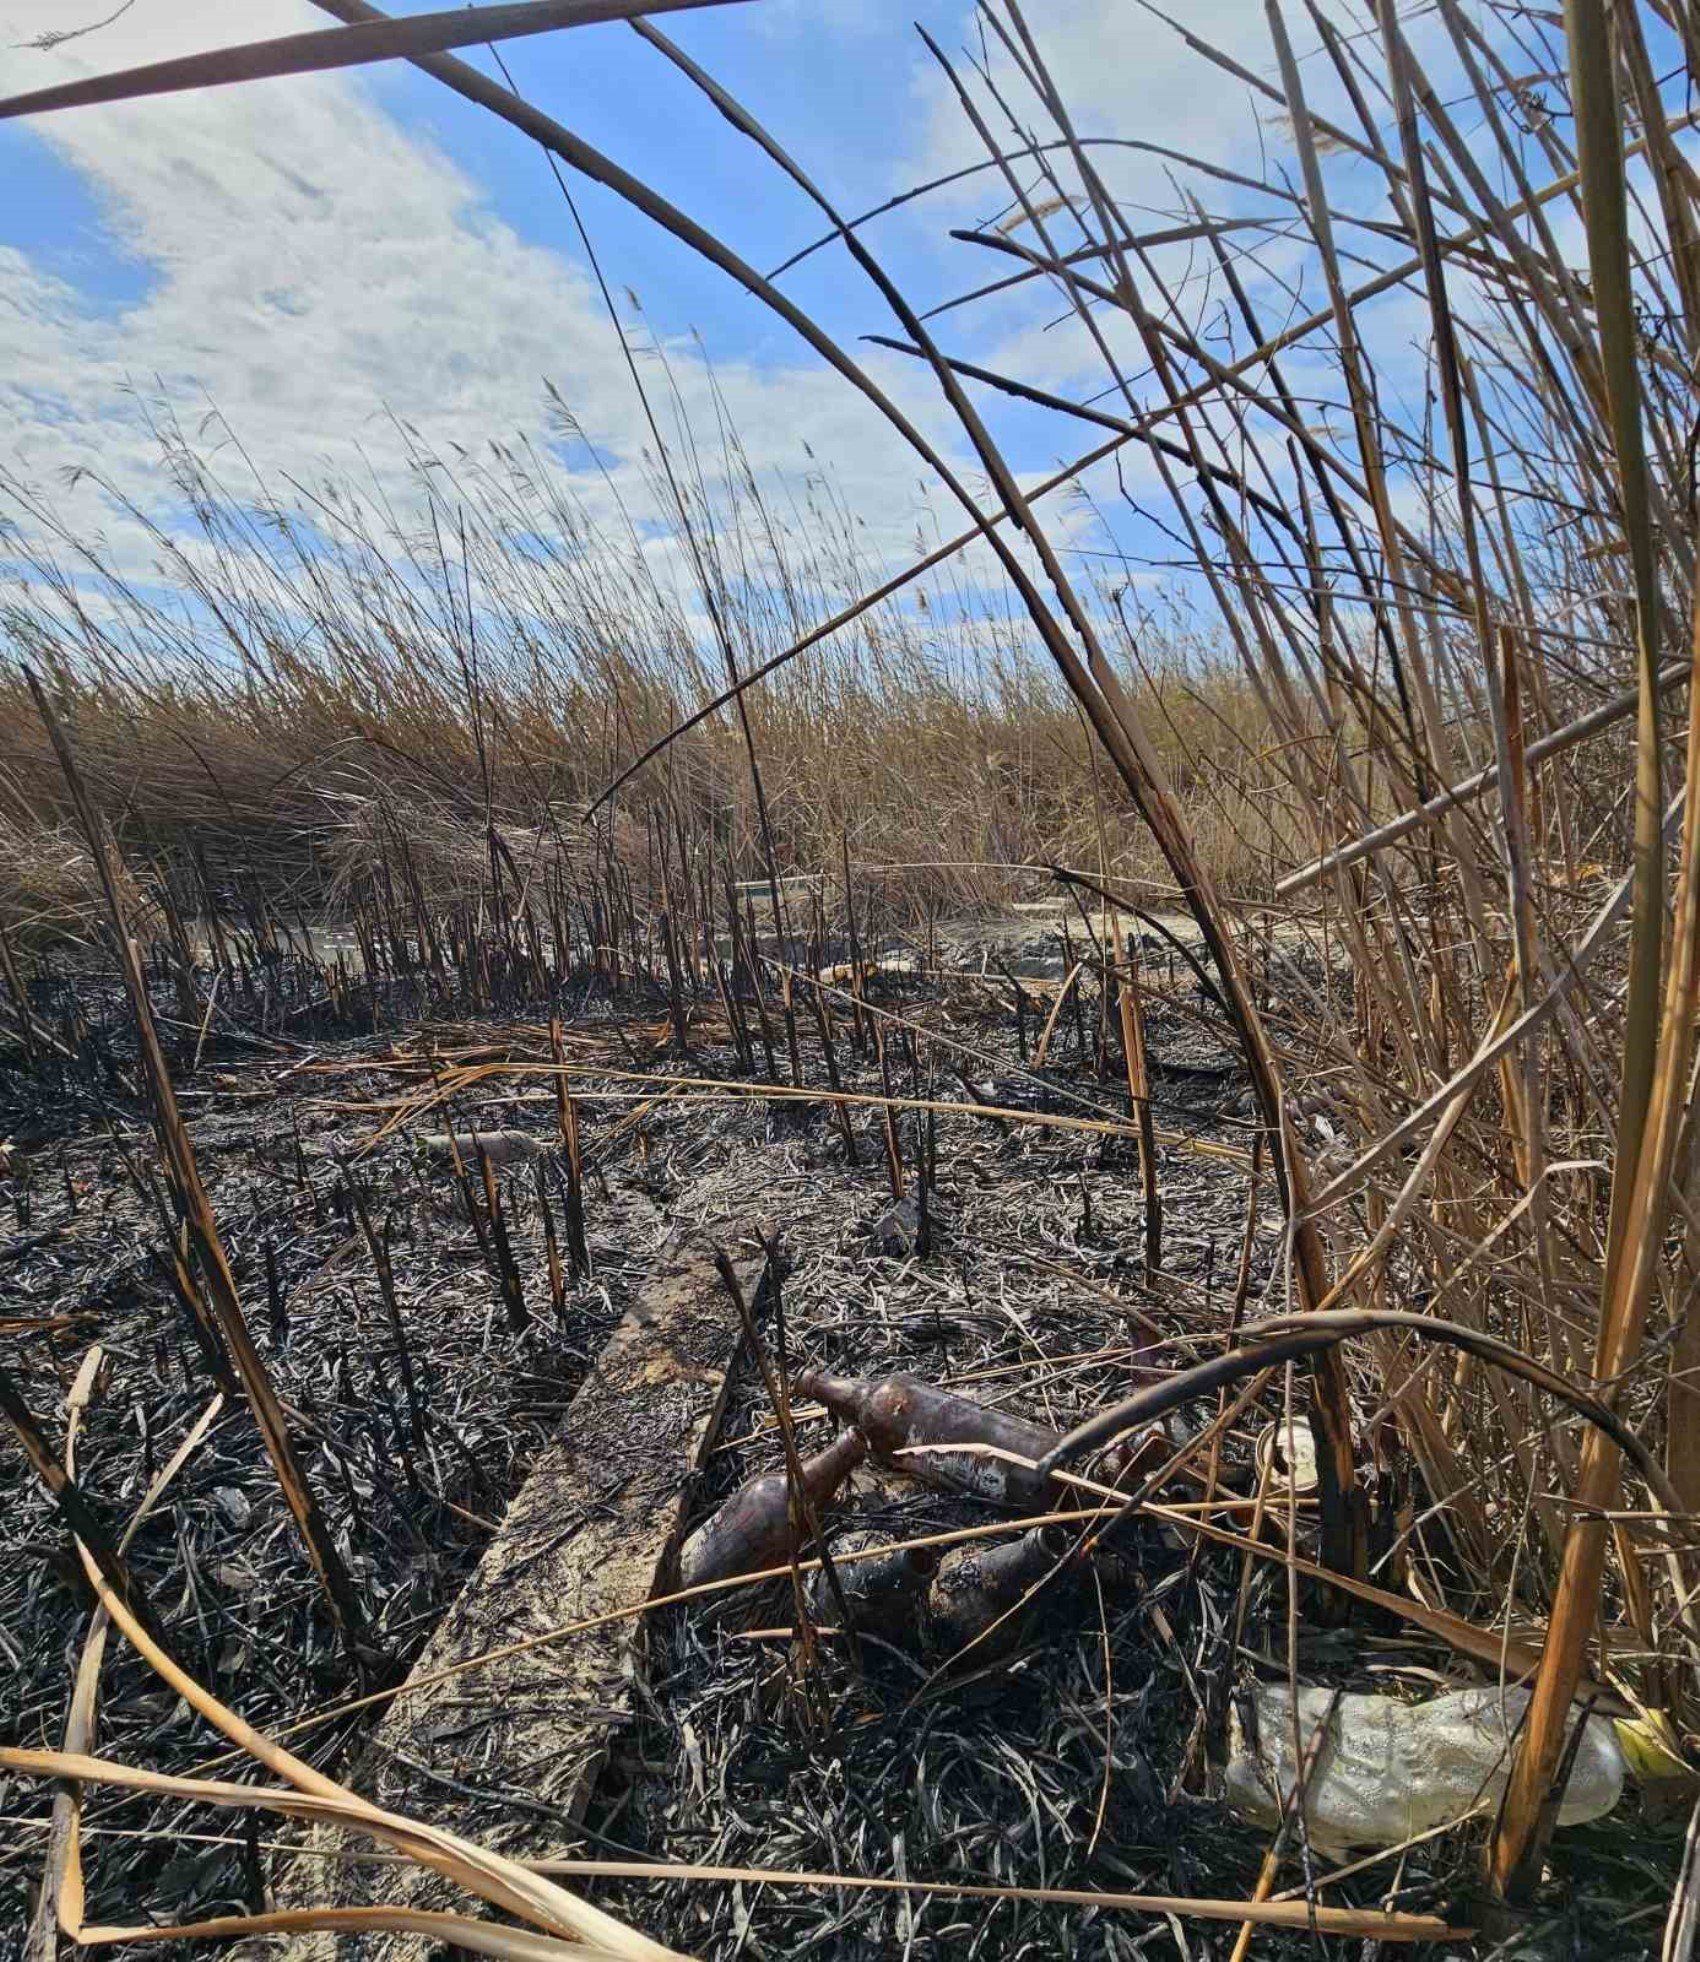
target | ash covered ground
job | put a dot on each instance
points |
(1080, 1757)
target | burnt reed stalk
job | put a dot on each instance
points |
(212, 1280)
(1386, 786)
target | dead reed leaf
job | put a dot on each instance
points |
(313, 53)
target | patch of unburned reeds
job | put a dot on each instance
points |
(362, 745)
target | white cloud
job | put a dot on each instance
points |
(1145, 96)
(329, 279)
(1122, 72)
(320, 273)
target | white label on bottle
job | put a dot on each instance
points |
(983, 1476)
(959, 1466)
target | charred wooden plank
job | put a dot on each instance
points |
(510, 1753)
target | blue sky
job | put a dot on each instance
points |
(308, 252)
(348, 267)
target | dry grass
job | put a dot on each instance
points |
(1425, 561)
(333, 702)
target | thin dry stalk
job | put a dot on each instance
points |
(196, 1212)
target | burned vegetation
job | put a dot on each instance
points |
(764, 1262)
(858, 1260)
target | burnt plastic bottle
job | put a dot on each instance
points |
(899, 1412)
(752, 1530)
(883, 1593)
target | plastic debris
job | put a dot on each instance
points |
(1651, 1749)
(1279, 1442)
(1387, 1770)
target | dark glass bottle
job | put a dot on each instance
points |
(897, 1413)
(983, 1591)
(883, 1592)
(752, 1530)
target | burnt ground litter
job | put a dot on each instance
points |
(1079, 1757)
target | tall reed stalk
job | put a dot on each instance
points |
(1385, 778)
